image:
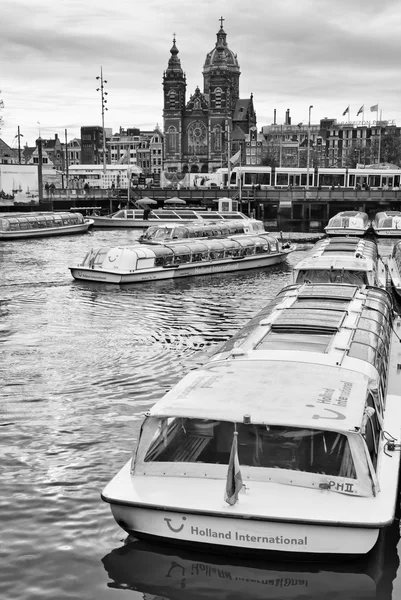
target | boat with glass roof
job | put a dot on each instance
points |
(15, 226)
(140, 262)
(342, 260)
(135, 217)
(169, 232)
(394, 268)
(286, 440)
(387, 223)
(348, 222)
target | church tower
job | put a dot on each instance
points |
(221, 73)
(174, 86)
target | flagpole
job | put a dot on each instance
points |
(380, 138)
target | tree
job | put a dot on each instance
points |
(390, 148)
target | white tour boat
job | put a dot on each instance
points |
(387, 223)
(394, 268)
(128, 218)
(41, 224)
(285, 441)
(348, 222)
(169, 232)
(342, 260)
(138, 263)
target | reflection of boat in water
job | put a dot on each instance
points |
(348, 222)
(169, 232)
(178, 574)
(387, 223)
(135, 264)
(295, 418)
(342, 260)
(44, 224)
(135, 217)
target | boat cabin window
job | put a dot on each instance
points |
(276, 447)
(332, 276)
(372, 433)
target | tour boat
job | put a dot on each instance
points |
(41, 224)
(345, 260)
(169, 232)
(284, 441)
(348, 222)
(394, 268)
(139, 263)
(160, 571)
(135, 217)
(387, 223)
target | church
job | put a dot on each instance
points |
(203, 132)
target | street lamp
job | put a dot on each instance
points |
(104, 108)
(308, 151)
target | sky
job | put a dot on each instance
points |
(328, 54)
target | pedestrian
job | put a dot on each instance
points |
(146, 213)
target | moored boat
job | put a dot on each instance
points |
(169, 232)
(41, 224)
(139, 263)
(135, 218)
(342, 260)
(387, 223)
(348, 222)
(284, 441)
(394, 268)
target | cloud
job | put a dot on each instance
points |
(291, 54)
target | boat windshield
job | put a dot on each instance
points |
(176, 439)
(332, 276)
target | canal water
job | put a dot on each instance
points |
(79, 364)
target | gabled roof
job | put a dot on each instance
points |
(241, 111)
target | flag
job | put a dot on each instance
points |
(374, 108)
(234, 477)
(300, 124)
(346, 111)
(235, 158)
(360, 110)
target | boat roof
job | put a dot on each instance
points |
(311, 355)
(349, 253)
(177, 214)
(329, 397)
(334, 261)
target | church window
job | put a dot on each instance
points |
(172, 98)
(197, 104)
(217, 97)
(217, 138)
(171, 139)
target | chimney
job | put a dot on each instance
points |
(274, 120)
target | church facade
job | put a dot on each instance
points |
(201, 134)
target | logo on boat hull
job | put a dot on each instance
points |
(176, 530)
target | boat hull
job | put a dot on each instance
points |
(248, 534)
(48, 232)
(192, 269)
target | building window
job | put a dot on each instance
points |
(171, 139)
(217, 97)
(172, 98)
(217, 138)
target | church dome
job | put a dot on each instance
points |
(221, 55)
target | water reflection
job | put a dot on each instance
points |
(171, 573)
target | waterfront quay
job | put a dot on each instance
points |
(296, 209)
